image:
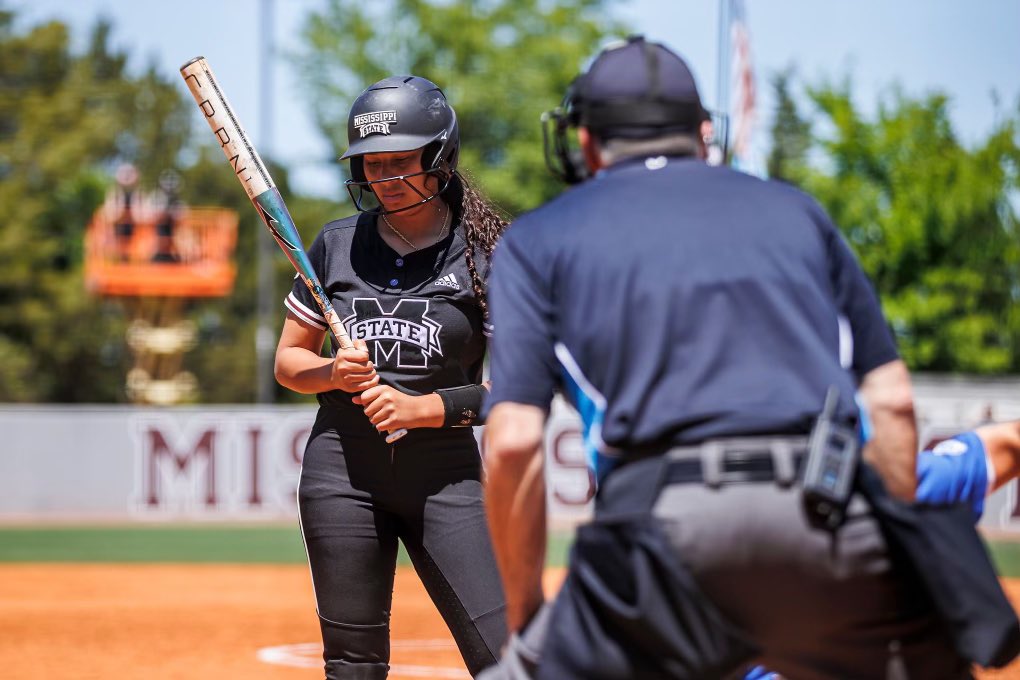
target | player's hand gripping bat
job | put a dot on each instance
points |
(259, 186)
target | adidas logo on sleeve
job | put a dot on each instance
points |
(449, 281)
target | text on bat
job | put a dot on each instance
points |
(234, 162)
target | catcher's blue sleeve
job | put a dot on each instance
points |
(955, 470)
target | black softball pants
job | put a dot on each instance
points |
(358, 496)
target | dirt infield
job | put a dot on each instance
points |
(187, 622)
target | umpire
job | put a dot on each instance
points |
(697, 318)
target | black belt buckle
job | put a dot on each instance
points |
(735, 461)
(739, 465)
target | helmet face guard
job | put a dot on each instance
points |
(401, 113)
(363, 194)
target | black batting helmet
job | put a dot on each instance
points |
(402, 113)
(634, 89)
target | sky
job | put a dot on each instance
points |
(967, 50)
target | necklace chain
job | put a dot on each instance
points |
(442, 232)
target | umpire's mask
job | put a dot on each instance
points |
(633, 90)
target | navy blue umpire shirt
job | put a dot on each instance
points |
(673, 301)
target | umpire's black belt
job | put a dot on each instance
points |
(737, 460)
(634, 486)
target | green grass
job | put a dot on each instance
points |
(1006, 555)
(251, 544)
(263, 544)
(558, 548)
(258, 544)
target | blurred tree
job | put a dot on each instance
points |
(501, 63)
(64, 119)
(225, 360)
(933, 221)
(791, 133)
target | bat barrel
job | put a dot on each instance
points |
(240, 152)
(252, 173)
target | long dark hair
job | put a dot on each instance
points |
(483, 224)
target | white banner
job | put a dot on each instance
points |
(186, 463)
(87, 463)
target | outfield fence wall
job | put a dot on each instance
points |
(226, 463)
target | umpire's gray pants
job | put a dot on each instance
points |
(819, 605)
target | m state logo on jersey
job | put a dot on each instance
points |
(403, 337)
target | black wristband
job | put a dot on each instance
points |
(462, 405)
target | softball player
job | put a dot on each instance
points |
(407, 273)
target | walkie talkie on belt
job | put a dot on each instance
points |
(830, 467)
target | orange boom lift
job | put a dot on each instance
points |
(156, 255)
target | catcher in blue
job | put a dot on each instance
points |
(969, 466)
(962, 469)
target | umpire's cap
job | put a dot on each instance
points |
(636, 89)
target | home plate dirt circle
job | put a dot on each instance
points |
(309, 655)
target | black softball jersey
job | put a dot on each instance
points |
(418, 313)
